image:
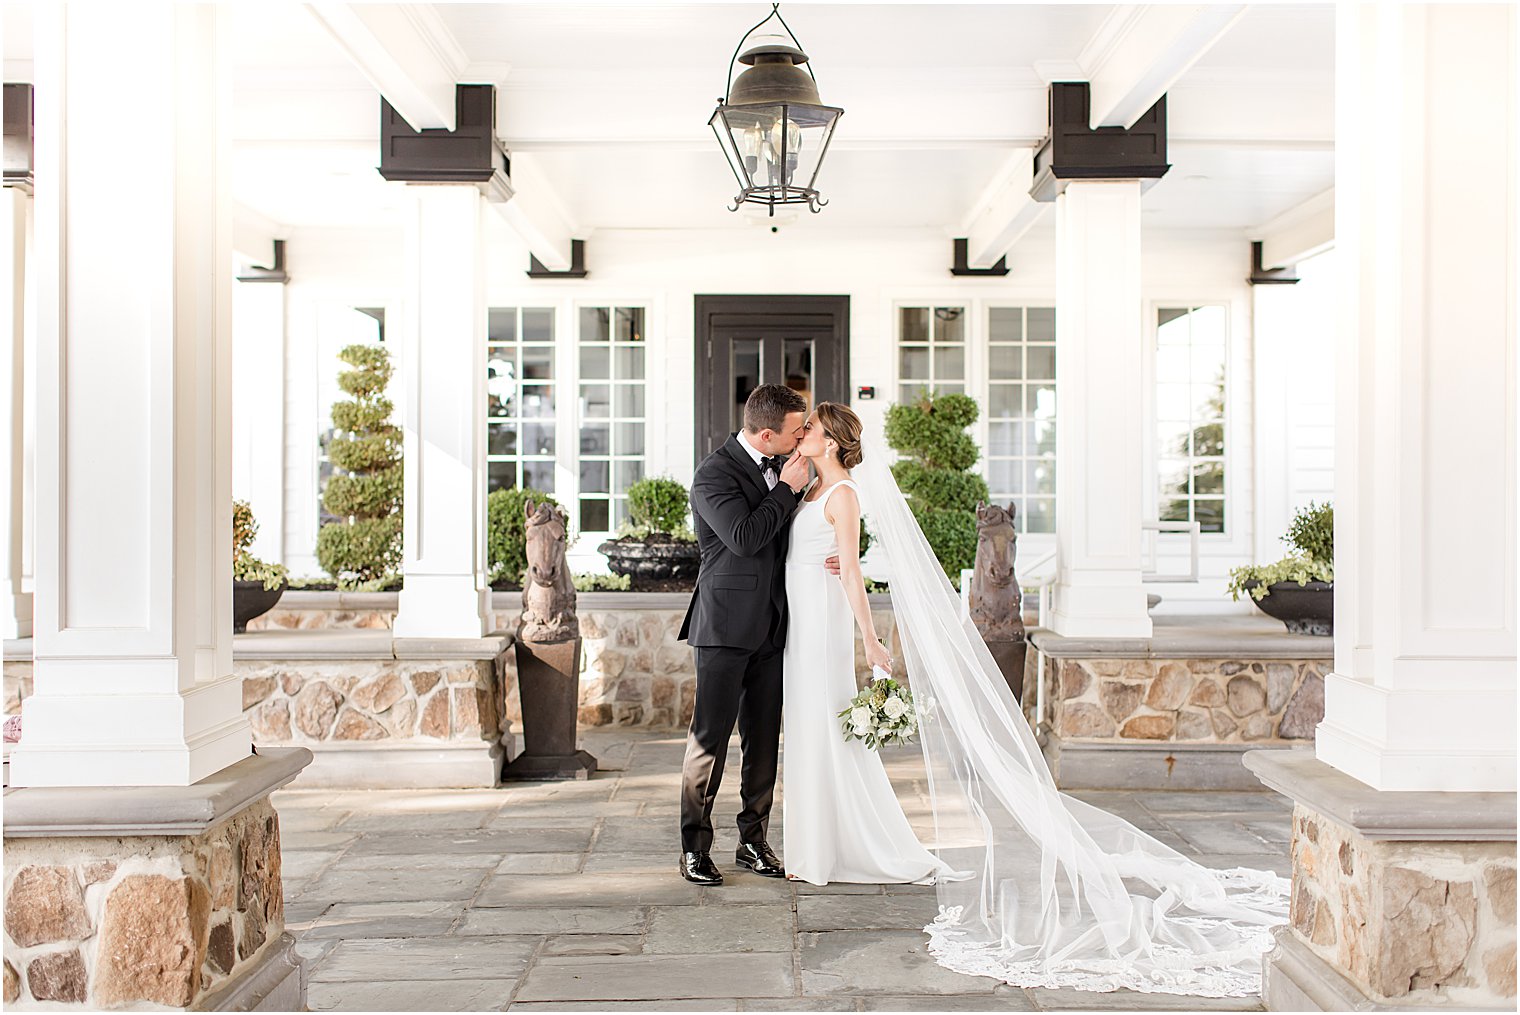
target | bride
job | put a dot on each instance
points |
(842, 819)
(1054, 892)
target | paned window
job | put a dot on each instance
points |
(612, 422)
(521, 398)
(1190, 415)
(1021, 413)
(931, 351)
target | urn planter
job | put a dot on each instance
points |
(656, 558)
(251, 600)
(1303, 609)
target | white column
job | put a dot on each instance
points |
(15, 601)
(1099, 417)
(443, 357)
(1423, 693)
(133, 642)
(258, 410)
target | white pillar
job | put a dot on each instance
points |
(133, 641)
(15, 600)
(1099, 418)
(443, 357)
(1423, 693)
(258, 410)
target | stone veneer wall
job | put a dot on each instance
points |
(126, 921)
(1408, 922)
(636, 672)
(1206, 701)
(307, 702)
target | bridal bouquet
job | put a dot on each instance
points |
(881, 714)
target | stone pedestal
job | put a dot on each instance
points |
(1401, 901)
(548, 680)
(1009, 656)
(135, 896)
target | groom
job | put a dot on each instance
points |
(742, 498)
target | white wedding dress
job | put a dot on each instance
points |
(842, 820)
(1048, 891)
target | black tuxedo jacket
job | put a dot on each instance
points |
(742, 532)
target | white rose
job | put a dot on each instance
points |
(894, 707)
(860, 717)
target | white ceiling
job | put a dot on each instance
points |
(611, 103)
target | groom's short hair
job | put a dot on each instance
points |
(768, 406)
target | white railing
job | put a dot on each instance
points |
(1151, 573)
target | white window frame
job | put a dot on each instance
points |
(1032, 545)
(583, 554)
(1235, 541)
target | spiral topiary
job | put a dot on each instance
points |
(942, 494)
(364, 545)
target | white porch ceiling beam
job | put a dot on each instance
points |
(1003, 213)
(1298, 233)
(253, 236)
(535, 214)
(406, 52)
(1140, 50)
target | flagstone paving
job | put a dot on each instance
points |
(564, 897)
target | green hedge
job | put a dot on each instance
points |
(658, 505)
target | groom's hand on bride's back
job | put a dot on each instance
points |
(832, 564)
(795, 472)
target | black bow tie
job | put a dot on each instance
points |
(773, 464)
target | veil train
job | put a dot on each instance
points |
(1059, 893)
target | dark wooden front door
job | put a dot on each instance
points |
(745, 341)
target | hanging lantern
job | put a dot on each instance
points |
(771, 124)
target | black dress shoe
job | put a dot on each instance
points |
(757, 856)
(699, 869)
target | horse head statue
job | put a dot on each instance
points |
(548, 593)
(996, 600)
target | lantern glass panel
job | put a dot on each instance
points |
(776, 149)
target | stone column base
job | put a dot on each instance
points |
(1401, 901)
(129, 897)
(274, 982)
(1078, 764)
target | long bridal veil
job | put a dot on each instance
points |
(1057, 892)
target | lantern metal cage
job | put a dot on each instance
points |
(771, 124)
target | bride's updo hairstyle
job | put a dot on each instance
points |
(842, 426)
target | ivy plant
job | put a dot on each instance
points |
(1311, 537)
(245, 566)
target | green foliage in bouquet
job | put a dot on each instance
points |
(658, 505)
(245, 566)
(881, 714)
(934, 474)
(506, 532)
(363, 548)
(1312, 558)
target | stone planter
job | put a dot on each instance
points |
(1303, 609)
(250, 600)
(652, 559)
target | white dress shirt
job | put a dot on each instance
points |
(759, 456)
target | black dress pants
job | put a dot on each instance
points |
(732, 684)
